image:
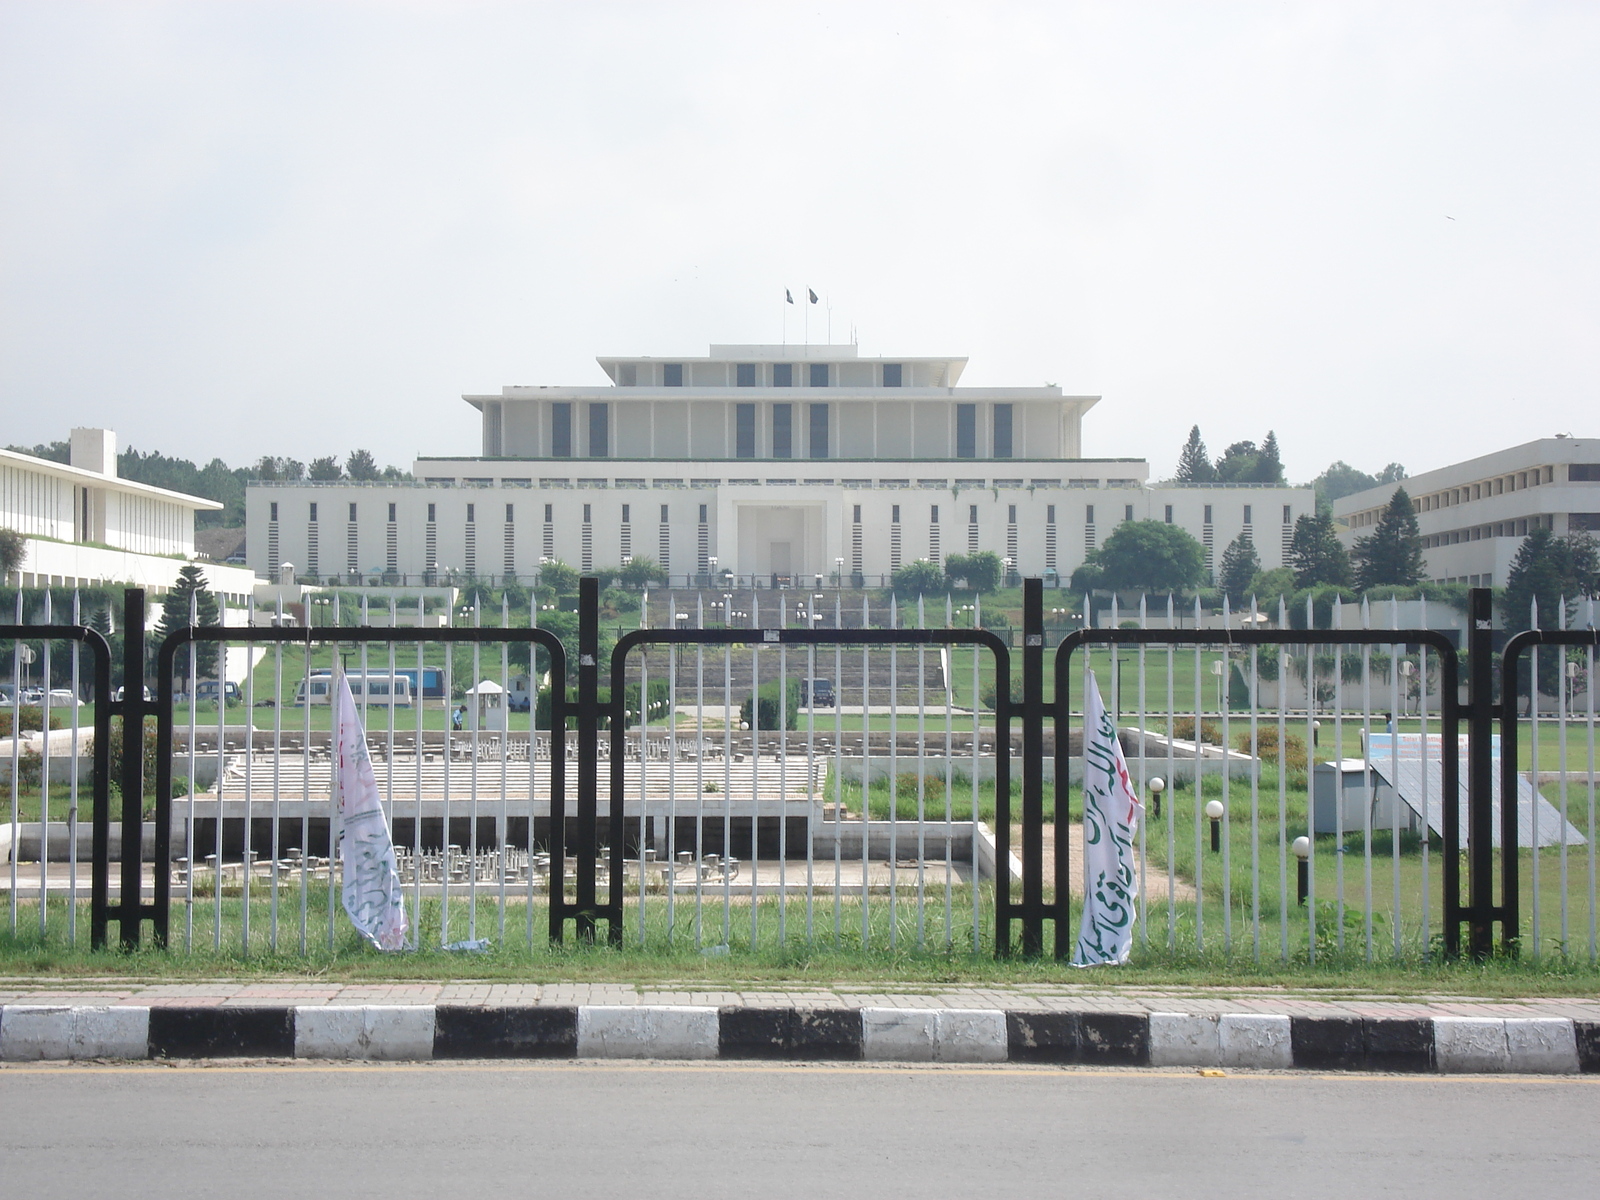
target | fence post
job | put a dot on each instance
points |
(131, 768)
(1033, 907)
(1480, 781)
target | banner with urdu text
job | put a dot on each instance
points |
(1111, 813)
(372, 894)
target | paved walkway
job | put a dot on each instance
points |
(1060, 997)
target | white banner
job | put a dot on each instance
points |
(372, 894)
(1111, 813)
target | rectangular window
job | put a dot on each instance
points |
(783, 431)
(561, 430)
(274, 516)
(891, 374)
(313, 510)
(744, 430)
(352, 512)
(966, 431)
(510, 513)
(819, 374)
(972, 514)
(1286, 520)
(391, 514)
(671, 374)
(1247, 514)
(1584, 472)
(782, 374)
(1169, 514)
(1088, 516)
(819, 431)
(1208, 515)
(933, 515)
(744, 374)
(625, 508)
(472, 513)
(433, 512)
(1002, 431)
(599, 431)
(702, 514)
(1011, 514)
(857, 517)
(1050, 514)
(586, 517)
(663, 514)
(894, 514)
(549, 513)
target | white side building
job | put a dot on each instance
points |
(777, 465)
(83, 526)
(1473, 515)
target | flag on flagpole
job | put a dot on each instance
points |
(788, 295)
(813, 296)
(1111, 813)
(372, 894)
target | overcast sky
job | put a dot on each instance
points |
(236, 229)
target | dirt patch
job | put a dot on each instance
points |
(1155, 878)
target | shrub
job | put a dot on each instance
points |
(32, 717)
(1265, 747)
(1210, 731)
(770, 706)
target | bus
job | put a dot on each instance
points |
(430, 685)
(393, 691)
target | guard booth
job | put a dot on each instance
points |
(492, 704)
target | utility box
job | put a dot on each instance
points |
(1341, 793)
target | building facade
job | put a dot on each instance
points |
(776, 465)
(1473, 515)
(83, 526)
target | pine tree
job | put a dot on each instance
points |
(1194, 466)
(175, 616)
(1269, 466)
(1240, 565)
(1547, 569)
(1391, 555)
(1317, 555)
(362, 466)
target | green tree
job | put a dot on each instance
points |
(1268, 587)
(1239, 463)
(175, 613)
(1341, 479)
(640, 573)
(1240, 564)
(1149, 556)
(1193, 464)
(12, 551)
(559, 577)
(326, 470)
(1316, 554)
(361, 466)
(1548, 569)
(1392, 552)
(1269, 466)
(980, 572)
(919, 578)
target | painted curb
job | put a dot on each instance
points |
(1446, 1045)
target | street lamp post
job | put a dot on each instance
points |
(1218, 669)
(1157, 786)
(1302, 851)
(1407, 670)
(1214, 810)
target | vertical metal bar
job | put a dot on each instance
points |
(1395, 713)
(1170, 816)
(922, 778)
(1311, 741)
(72, 779)
(419, 702)
(1199, 793)
(1225, 703)
(1255, 792)
(729, 709)
(277, 766)
(673, 751)
(1339, 830)
(813, 787)
(132, 766)
(755, 775)
(838, 772)
(1283, 787)
(1033, 790)
(1561, 759)
(588, 766)
(894, 777)
(100, 812)
(101, 868)
(699, 772)
(866, 774)
(502, 838)
(1144, 773)
(783, 774)
(335, 826)
(305, 790)
(44, 774)
(1370, 782)
(1480, 770)
(1422, 721)
(1508, 797)
(474, 714)
(248, 733)
(644, 770)
(947, 669)
(1002, 866)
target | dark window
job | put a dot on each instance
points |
(1127, 512)
(663, 514)
(1583, 522)
(274, 510)
(1088, 517)
(783, 431)
(1584, 472)
(744, 374)
(586, 517)
(966, 431)
(1286, 519)
(433, 513)
(549, 513)
(819, 374)
(857, 517)
(1011, 513)
(702, 514)
(472, 513)
(352, 512)
(819, 431)
(1169, 514)
(782, 374)
(972, 514)
(510, 512)
(599, 430)
(933, 514)
(744, 430)
(313, 510)
(1208, 515)
(1247, 514)
(894, 514)
(671, 374)
(625, 514)
(561, 430)
(891, 374)
(1049, 514)
(1002, 431)
(391, 514)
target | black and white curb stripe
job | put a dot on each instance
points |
(1534, 1045)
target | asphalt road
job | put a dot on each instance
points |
(715, 1130)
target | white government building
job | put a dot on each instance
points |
(1473, 515)
(776, 465)
(84, 526)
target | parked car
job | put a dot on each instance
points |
(817, 693)
(206, 689)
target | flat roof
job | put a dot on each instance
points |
(78, 475)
